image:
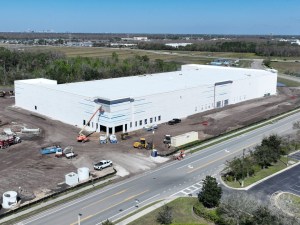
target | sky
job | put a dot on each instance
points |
(277, 17)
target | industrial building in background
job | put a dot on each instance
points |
(131, 103)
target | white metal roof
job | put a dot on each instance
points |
(191, 75)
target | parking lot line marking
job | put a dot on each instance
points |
(94, 203)
(294, 189)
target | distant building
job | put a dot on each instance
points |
(140, 38)
(176, 45)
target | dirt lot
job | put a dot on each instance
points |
(22, 165)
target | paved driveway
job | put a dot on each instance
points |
(288, 181)
(295, 156)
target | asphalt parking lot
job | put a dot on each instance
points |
(288, 181)
(295, 156)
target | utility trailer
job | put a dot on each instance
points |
(51, 149)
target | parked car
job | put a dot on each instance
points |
(102, 164)
(150, 127)
(174, 121)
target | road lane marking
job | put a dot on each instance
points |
(94, 203)
(129, 208)
(225, 156)
(119, 203)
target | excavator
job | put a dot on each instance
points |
(82, 137)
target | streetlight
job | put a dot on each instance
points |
(243, 167)
(153, 132)
(79, 215)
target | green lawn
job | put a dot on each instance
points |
(292, 202)
(260, 174)
(287, 67)
(182, 211)
(287, 82)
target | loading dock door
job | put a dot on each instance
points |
(222, 93)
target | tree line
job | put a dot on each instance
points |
(266, 48)
(262, 156)
(16, 65)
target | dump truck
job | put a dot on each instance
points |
(51, 149)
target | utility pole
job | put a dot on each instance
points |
(243, 167)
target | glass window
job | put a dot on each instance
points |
(151, 120)
(145, 121)
(159, 118)
(135, 123)
(130, 124)
(141, 122)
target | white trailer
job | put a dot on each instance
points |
(184, 139)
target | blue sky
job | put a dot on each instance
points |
(153, 16)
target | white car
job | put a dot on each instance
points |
(102, 164)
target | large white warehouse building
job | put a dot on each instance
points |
(131, 103)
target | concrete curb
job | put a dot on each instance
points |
(260, 181)
(146, 211)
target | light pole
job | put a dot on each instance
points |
(243, 167)
(79, 215)
(153, 132)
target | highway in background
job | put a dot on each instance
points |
(116, 200)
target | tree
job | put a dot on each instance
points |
(267, 62)
(165, 216)
(261, 156)
(237, 208)
(107, 222)
(274, 143)
(263, 216)
(211, 193)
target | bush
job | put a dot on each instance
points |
(208, 214)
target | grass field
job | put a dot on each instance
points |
(287, 82)
(280, 165)
(287, 67)
(182, 211)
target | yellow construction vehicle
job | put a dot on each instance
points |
(140, 144)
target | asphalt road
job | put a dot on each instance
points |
(174, 178)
